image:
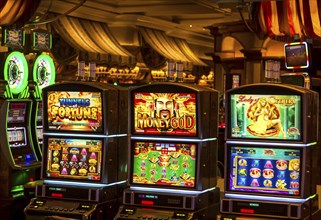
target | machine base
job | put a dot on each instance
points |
(271, 209)
(155, 199)
(43, 208)
(314, 216)
(134, 212)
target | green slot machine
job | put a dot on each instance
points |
(42, 73)
(18, 161)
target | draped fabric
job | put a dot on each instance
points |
(175, 49)
(310, 16)
(28, 13)
(290, 17)
(280, 18)
(13, 10)
(90, 36)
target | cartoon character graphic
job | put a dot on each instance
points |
(165, 105)
(294, 164)
(281, 164)
(255, 172)
(266, 119)
(268, 173)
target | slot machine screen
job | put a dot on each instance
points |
(264, 170)
(75, 111)
(296, 55)
(74, 159)
(172, 114)
(40, 134)
(17, 137)
(164, 164)
(275, 117)
(17, 112)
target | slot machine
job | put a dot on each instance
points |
(172, 153)
(18, 160)
(43, 73)
(271, 133)
(84, 151)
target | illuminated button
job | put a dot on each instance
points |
(71, 209)
(56, 209)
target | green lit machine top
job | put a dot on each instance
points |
(44, 72)
(16, 74)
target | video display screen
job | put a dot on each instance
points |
(75, 111)
(17, 137)
(171, 114)
(265, 117)
(74, 159)
(40, 134)
(17, 112)
(264, 170)
(296, 55)
(164, 164)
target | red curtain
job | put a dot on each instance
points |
(17, 12)
(289, 17)
(280, 18)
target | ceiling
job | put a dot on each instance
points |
(187, 19)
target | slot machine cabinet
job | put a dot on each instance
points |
(84, 151)
(270, 166)
(18, 158)
(43, 74)
(172, 153)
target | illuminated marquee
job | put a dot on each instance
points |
(165, 113)
(75, 111)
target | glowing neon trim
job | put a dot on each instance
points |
(91, 185)
(173, 139)
(85, 135)
(272, 143)
(306, 51)
(46, 61)
(176, 191)
(21, 62)
(266, 198)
